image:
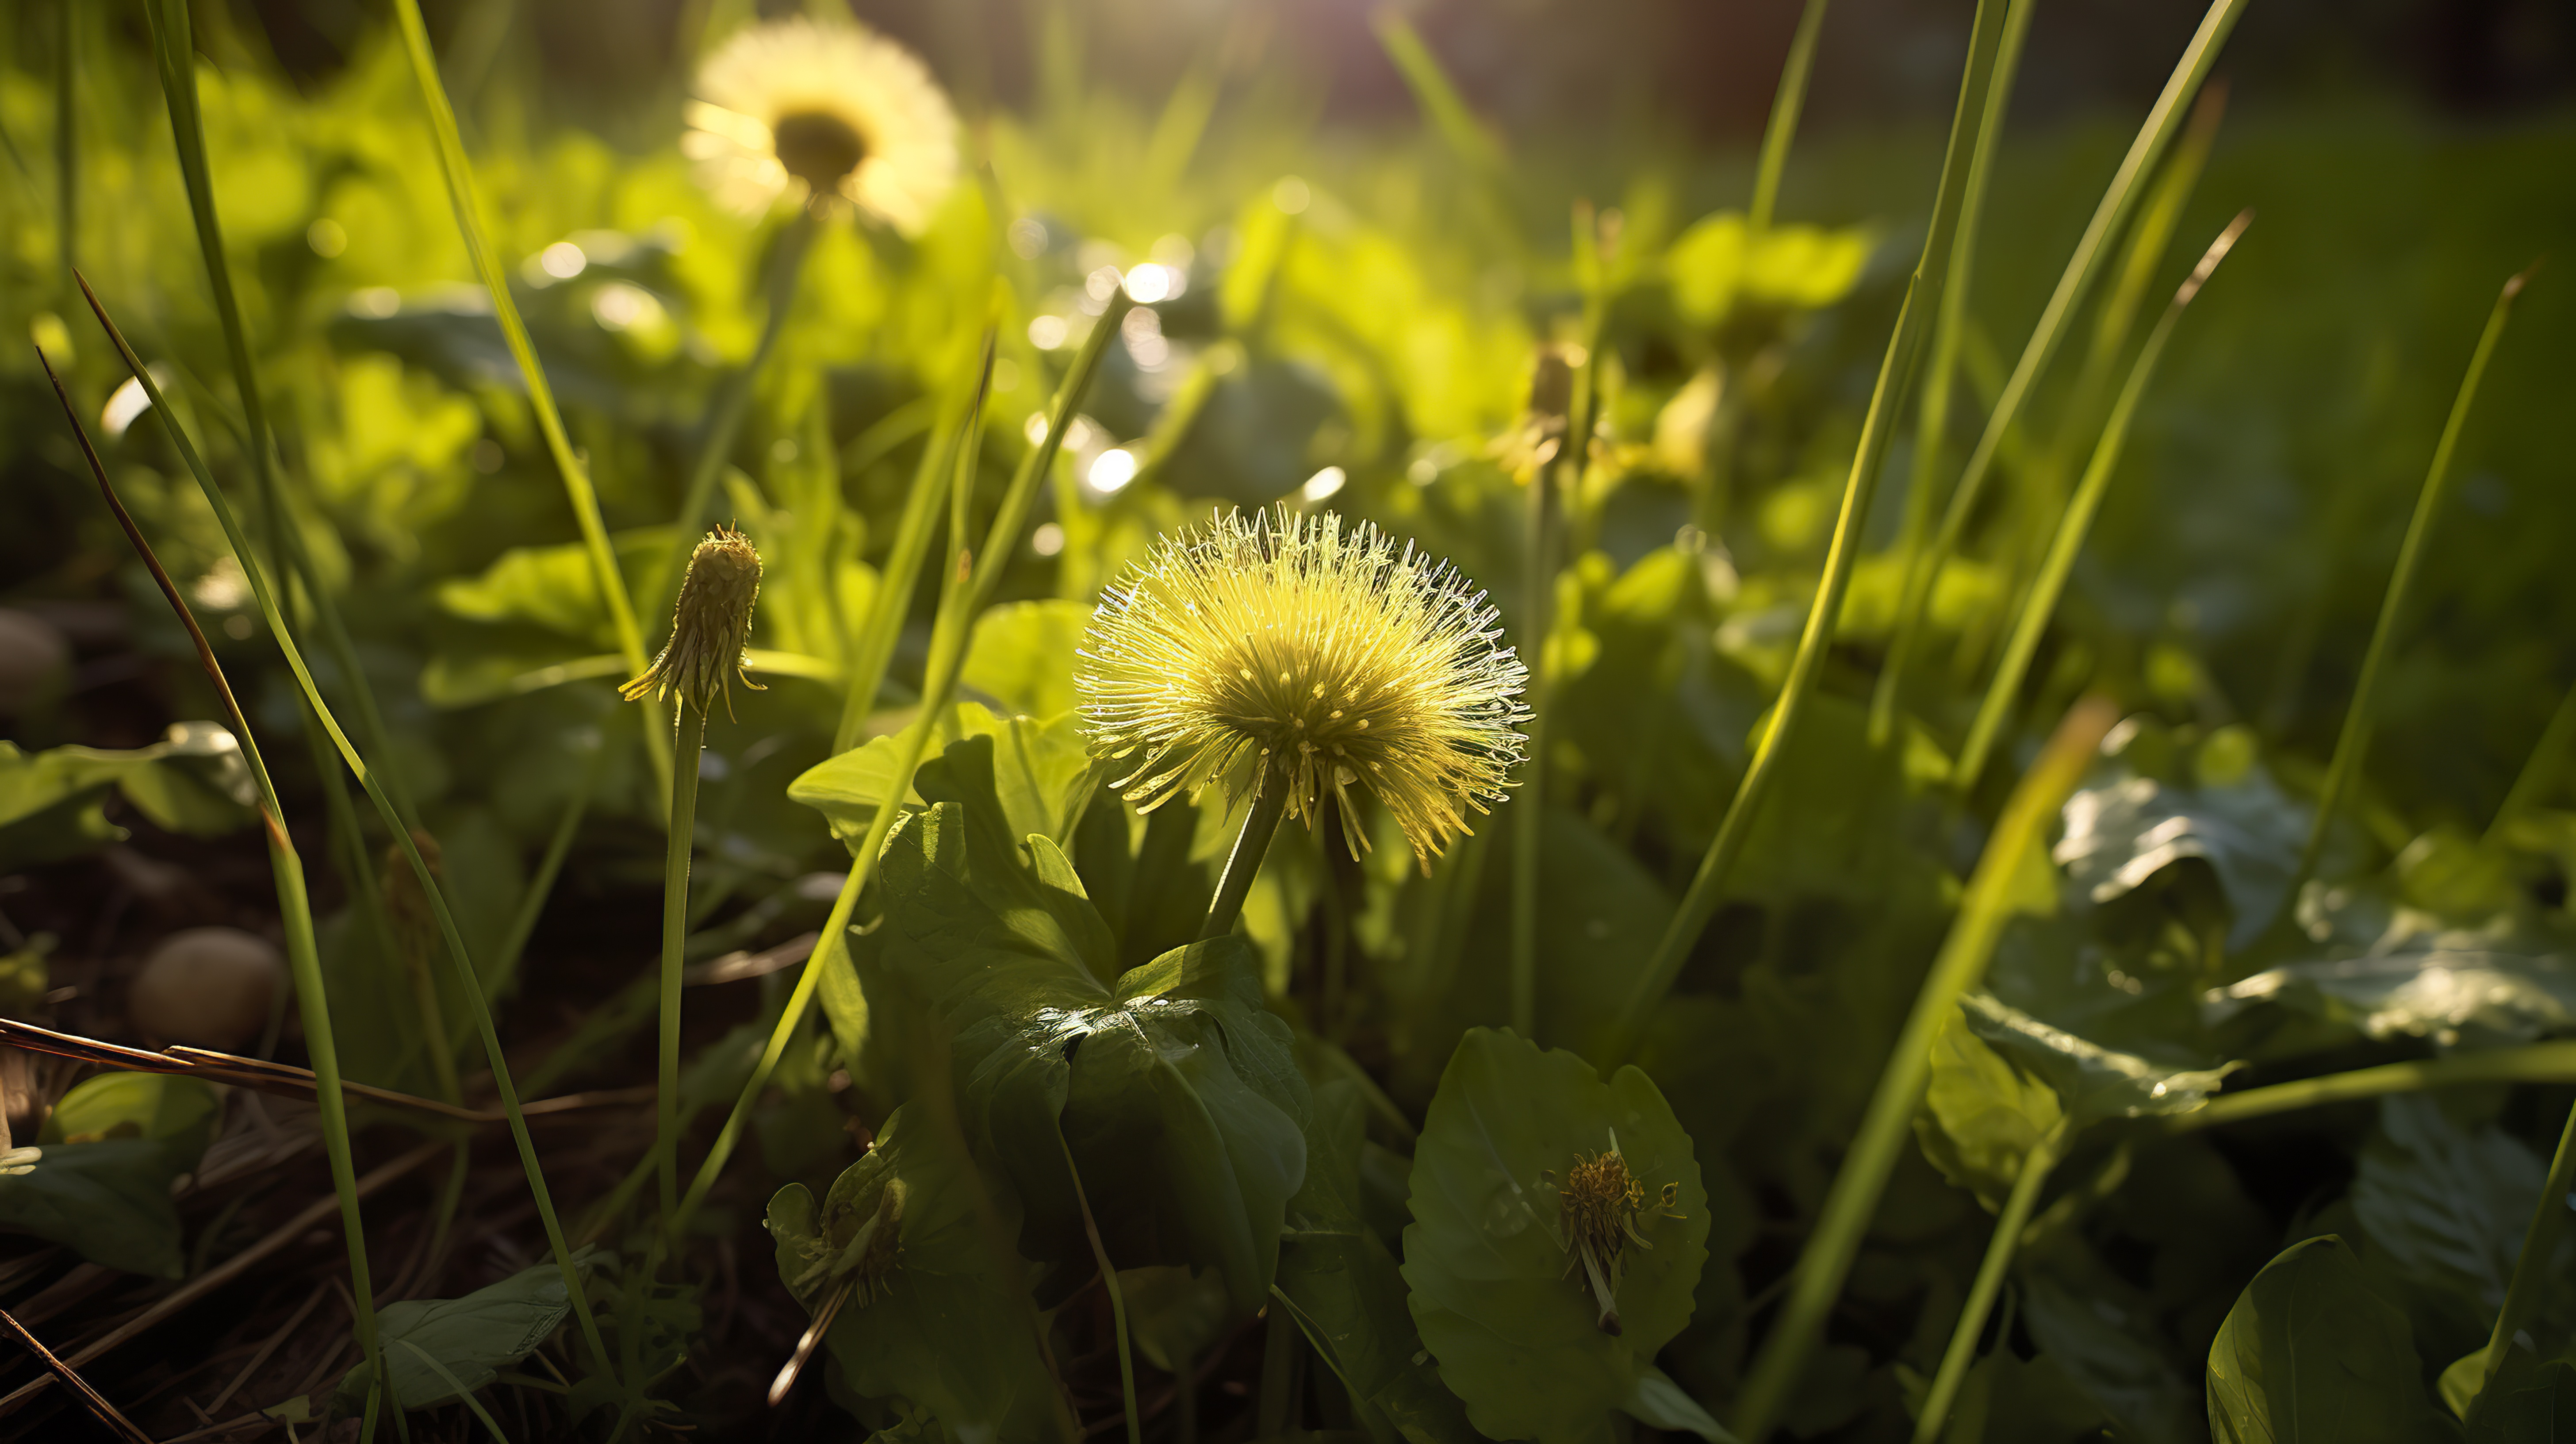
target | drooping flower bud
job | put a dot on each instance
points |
(709, 627)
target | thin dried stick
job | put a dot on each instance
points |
(97, 1402)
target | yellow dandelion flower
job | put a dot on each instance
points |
(710, 626)
(811, 109)
(1325, 657)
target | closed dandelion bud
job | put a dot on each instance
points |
(1540, 433)
(709, 628)
(1325, 658)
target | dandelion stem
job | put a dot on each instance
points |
(1922, 299)
(2352, 743)
(1269, 804)
(1886, 1126)
(2164, 119)
(2035, 1168)
(675, 938)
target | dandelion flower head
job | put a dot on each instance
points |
(1323, 655)
(710, 626)
(817, 109)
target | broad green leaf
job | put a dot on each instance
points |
(99, 1183)
(192, 782)
(2128, 823)
(2501, 983)
(1720, 263)
(913, 1241)
(152, 1106)
(108, 1202)
(2442, 1209)
(1657, 1400)
(554, 589)
(471, 1338)
(2311, 1355)
(1021, 656)
(1345, 1291)
(1501, 1302)
(1175, 1089)
(1981, 1115)
(2530, 1401)
(2093, 1082)
(2102, 1334)
(1030, 776)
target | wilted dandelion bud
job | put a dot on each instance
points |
(1599, 1204)
(1325, 658)
(709, 628)
(822, 110)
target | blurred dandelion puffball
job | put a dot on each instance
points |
(710, 626)
(1325, 656)
(817, 109)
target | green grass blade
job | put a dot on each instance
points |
(471, 224)
(1886, 1127)
(2035, 1168)
(1786, 104)
(2163, 121)
(884, 627)
(2531, 1265)
(67, 15)
(1922, 299)
(294, 903)
(962, 599)
(1949, 331)
(267, 598)
(2542, 769)
(2352, 742)
(2076, 521)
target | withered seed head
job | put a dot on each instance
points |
(1600, 1203)
(709, 628)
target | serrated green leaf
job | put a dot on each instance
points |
(469, 1339)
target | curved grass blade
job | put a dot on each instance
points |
(457, 953)
(294, 905)
(1922, 299)
(470, 223)
(2073, 284)
(2009, 1225)
(2352, 742)
(1782, 128)
(1887, 1126)
(1949, 331)
(2077, 520)
(976, 579)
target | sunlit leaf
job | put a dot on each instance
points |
(2310, 1354)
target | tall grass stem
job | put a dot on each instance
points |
(2076, 521)
(2352, 741)
(1886, 1127)
(294, 903)
(458, 956)
(1922, 299)
(2532, 1266)
(2035, 1168)
(584, 498)
(1786, 104)
(2163, 121)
